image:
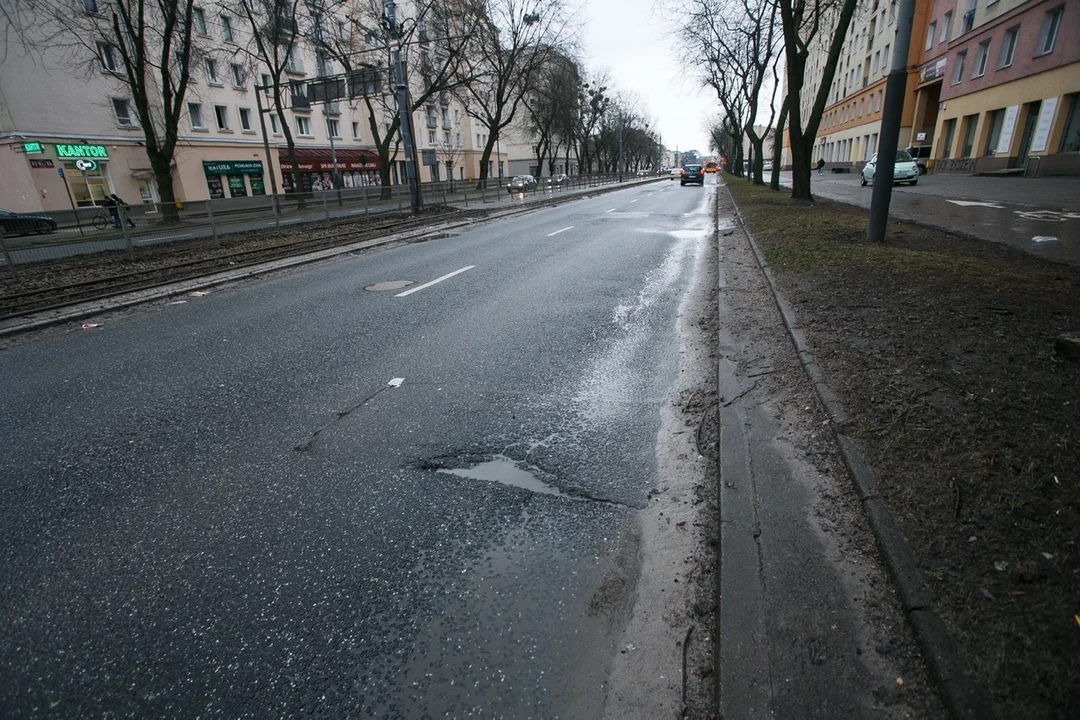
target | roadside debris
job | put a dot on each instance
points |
(90, 326)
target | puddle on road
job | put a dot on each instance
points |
(389, 285)
(505, 471)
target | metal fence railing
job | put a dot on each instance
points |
(30, 238)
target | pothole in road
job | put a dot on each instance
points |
(505, 471)
(389, 285)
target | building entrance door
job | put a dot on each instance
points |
(1029, 130)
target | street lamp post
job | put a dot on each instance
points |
(403, 107)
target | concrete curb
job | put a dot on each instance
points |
(31, 322)
(959, 689)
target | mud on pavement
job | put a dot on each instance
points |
(810, 625)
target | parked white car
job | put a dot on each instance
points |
(904, 170)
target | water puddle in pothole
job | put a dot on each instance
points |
(505, 471)
(389, 285)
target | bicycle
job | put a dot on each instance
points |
(104, 220)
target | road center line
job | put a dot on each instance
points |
(447, 276)
(559, 231)
(633, 201)
(611, 210)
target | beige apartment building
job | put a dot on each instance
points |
(69, 135)
(992, 87)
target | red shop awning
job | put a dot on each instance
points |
(321, 160)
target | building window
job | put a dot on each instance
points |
(1008, 47)
(969, 16)
(90, 6)
(195, 113)
(221, 114)
(877, 101)
(323, 66)
(294, 65)
(211, 71)
(267, 81)
(237, 75)
(303, 125)
(981, 54)
(245, 119)
(333, 128)
(226, 28)
(198, 20)
(1048, 33)
(356, 130)
(885, 58)
(1070, 139)
(971, 123)
(996, 120)
(946, 27)
(862, 105)
(431, 137)
(930, 32)
(275, 124)
(958, 74)
(124, 116)
(107, 54)
(950, 130)
(342, 30)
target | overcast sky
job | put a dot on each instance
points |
(633, 40)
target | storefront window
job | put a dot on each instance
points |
(257, 186)
(217, 190)
(1070, 139)
(236, 186)
(87, 188)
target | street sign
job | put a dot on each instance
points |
(394, 45)
(32, 147)
(86, 165)
(60, 172)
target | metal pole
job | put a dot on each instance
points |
(213, 225)
(71, 200)
(619, 168)
(269, 163)
(7, 255)
(325, 208)
(404, 113)
(335, 175)
(891, 114)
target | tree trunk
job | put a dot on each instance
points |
(801, 151)
(159, 163)
(778, 147)
(758, 164)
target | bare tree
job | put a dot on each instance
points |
(551, 105)
(593, 104)
(511, 40)
(432, 42)
(148, 47)
(803, 21)
(275, 51)
(451, 152)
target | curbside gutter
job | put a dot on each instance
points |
(960, 691)
(40, 320)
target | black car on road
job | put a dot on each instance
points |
(26, 224)
(692, 174)
(521, 183)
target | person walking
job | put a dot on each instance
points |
(820, 165)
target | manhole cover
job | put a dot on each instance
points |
(389, 285)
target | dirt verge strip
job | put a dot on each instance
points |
(960, 691)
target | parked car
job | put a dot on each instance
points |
(904, 170)
(675, 173)
(920, 153)
(692, 174)
(521, 183)
(25, 223)
(558, 180)
(766, 166)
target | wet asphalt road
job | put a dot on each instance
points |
(224, 508)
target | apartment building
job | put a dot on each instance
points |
(69, 134)
(992, 86)
(851, 124)
(1000, 83)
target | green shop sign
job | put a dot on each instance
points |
(232, 167)
(32, 147)
(71, 152)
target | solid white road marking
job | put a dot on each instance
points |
(559, 231)
(611, 210)
(447, 276)
(969, 203)
(633, 201)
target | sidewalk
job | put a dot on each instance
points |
(1018, 212)
(934, 355)
(810, 625)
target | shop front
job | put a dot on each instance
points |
(315, 167)
(238, 178)
(85, 169)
